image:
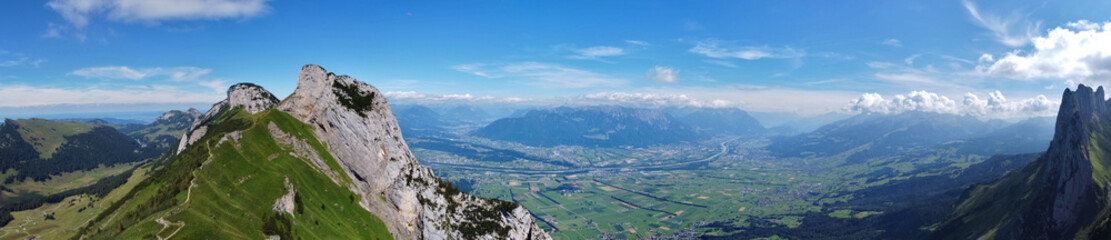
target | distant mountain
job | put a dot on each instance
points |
(465, 113)
(1061, 195)
(803, 124)
(418, 120)
(35, 151)
(1027, 136)
(115, 121)
(870, 135)
(601, 126)
(723, 121)
(38, 148)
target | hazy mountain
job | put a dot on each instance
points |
(328, 162)
(870, 135)
(723, 121)
(114, 121)
(419, 120)
(1061, 195)
(601, 126)
(804, 124)
(465, 113)
(1027, 136)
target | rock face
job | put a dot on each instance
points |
(250, 97)
(1068, 168)
(356, 123)
(1063, 195)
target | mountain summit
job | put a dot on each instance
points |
(328, 162)
(1061, 195)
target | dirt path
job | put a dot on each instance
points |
(166, 224)
(188, 195)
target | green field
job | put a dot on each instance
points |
(69, 215)
(741, 192)
(62, 182)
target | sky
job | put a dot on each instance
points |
(992, 59)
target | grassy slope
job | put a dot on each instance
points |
(70, 214)
(235, 193)
(46, 136)
(65, 181)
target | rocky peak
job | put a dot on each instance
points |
(356, 123)
(251, 97)
(1067, 180)
(194, 113)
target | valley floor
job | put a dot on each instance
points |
(720, 188)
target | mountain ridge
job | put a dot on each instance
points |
(1060, 195)
(341, 131)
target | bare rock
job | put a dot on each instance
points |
(356, 123)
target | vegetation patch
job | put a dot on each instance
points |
(353, 98)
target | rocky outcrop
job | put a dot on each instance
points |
(1066, 182)
(250, 97)
(1059, 196)
(356, 123)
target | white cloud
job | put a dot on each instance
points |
(770, 99)
(176, 74)
(996, 106)
(663, 74)
(910, 60)
(722, 63)
(717, 49)
(1010, 31)
(29, 96)
(911, 78)
(892, 42)
(116, 72)
(123, 72)
(79, 12)
(215, 85)
(1077, 53)
(637, 43)
(8, 59)
(421, 98)
(543, 75)
(651, 100)
(597, 52)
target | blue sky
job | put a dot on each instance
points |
(961, 57)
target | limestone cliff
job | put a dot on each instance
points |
(1059, 196)
(355, 121)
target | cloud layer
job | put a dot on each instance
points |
(542, 75)
(718, 49)
(1080, 52)
(30, 96)
(79, 12)
(177, 74)
(597, 52)
(995, 106)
